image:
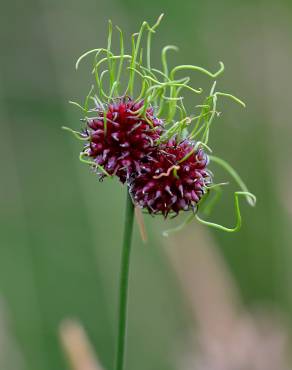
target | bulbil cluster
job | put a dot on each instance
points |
(163, 177)
(173, 178)
(119, 138)
(140, 131)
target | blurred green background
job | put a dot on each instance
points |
(61, 229)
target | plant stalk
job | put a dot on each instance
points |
(124, 283)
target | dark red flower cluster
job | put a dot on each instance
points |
(174, 178)
(119, 137)
(163, 179)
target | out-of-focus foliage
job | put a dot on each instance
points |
(61, 229)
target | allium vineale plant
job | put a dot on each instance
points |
(135, 127)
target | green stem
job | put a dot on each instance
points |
(124, 282)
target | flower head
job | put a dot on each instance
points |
(118, 137)
(173, 178)
(138, 129)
